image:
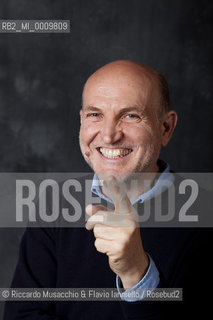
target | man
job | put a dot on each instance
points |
(125, 120)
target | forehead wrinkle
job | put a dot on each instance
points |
(95, 93)
(108, 91)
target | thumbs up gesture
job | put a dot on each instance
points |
(118, 235)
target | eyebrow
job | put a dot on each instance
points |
(91, 108)
(139, 109)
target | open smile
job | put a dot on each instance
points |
(114, 153)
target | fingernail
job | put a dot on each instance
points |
(89, 209)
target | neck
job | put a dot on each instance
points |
(139, 184)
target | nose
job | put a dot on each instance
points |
(111, 132)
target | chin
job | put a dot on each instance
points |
(120, 176)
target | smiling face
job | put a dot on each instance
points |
(120, 130)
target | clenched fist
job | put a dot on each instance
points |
(118, 235)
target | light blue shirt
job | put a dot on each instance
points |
(151, 279)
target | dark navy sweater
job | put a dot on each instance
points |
(67, 258)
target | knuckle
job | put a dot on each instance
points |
(95, 231)
(97, 243)
(131, 226)
(121, 246)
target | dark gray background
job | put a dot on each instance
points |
(41, 79)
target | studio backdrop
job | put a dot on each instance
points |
(42, 76)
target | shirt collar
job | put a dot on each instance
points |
(163, 182)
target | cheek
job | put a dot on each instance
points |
(87, 134)
(139, 135)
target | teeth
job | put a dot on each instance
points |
(114, 153)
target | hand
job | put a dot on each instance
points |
(117, 234)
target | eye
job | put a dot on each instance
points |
(93, 115)
(132, 116)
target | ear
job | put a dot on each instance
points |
(168, 124)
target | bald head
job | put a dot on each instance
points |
(132, 72)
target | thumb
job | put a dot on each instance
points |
(118, 195)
